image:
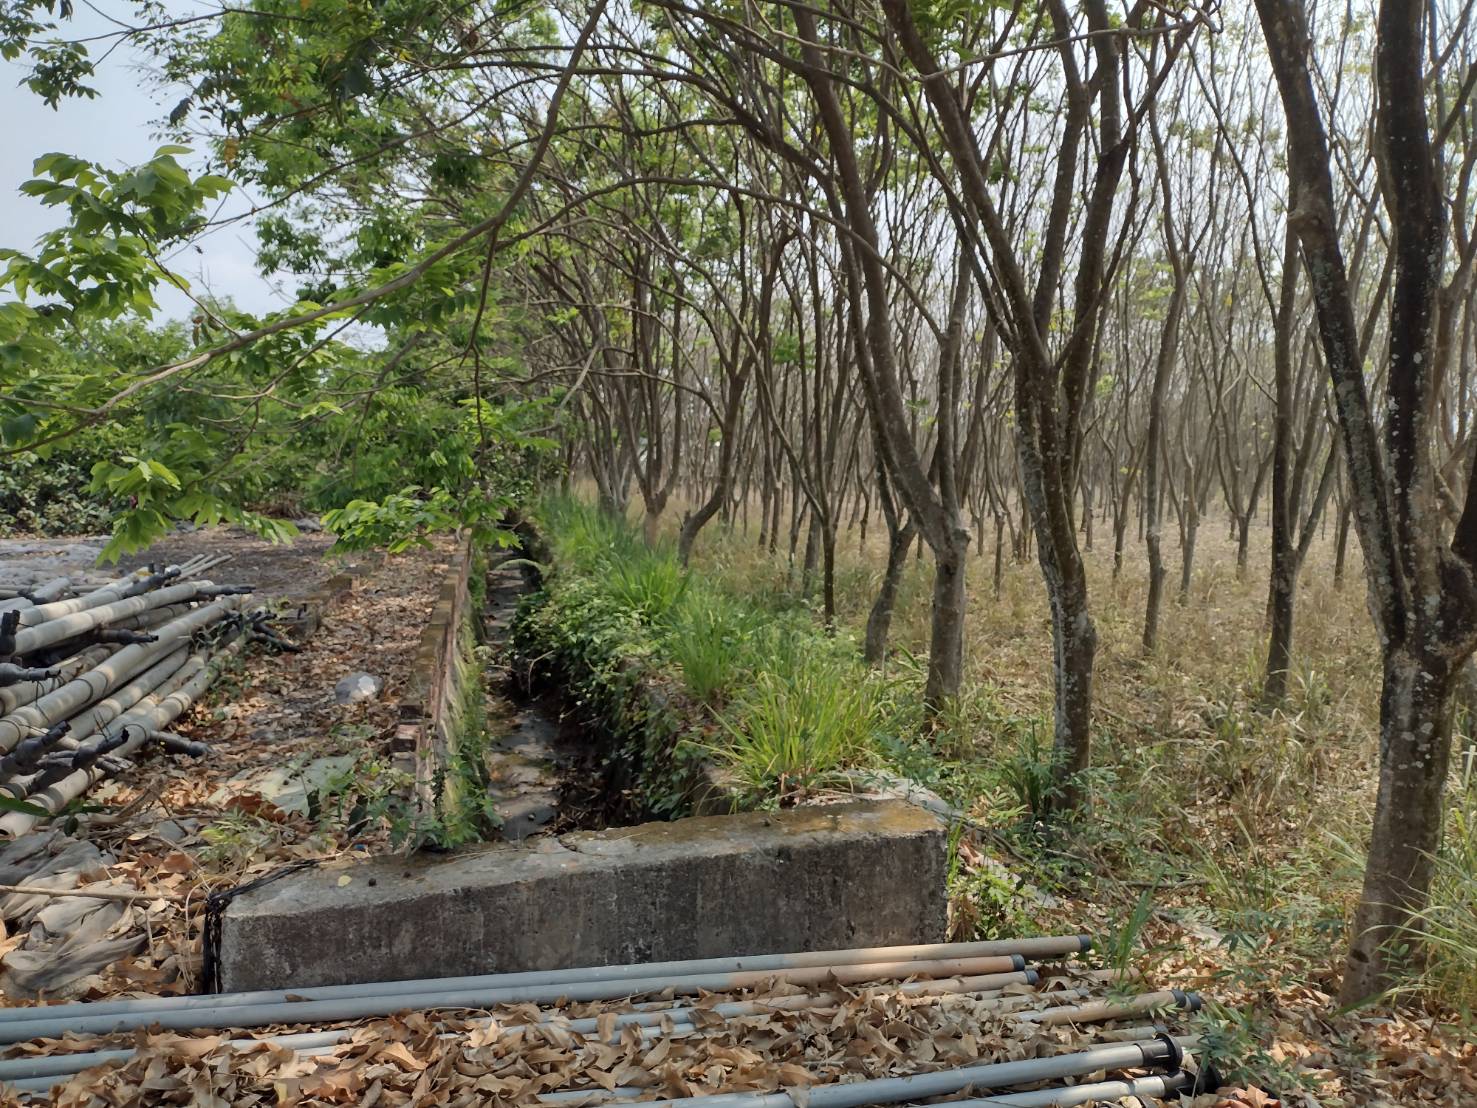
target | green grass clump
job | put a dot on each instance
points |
(713, 640)
(649, 587)
(793, 727)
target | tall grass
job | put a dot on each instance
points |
(792, 728)
(712, 639)
(1449, 925)
(651, 587)
(787, 704)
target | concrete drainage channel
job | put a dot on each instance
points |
(532, 749)
(866, 874)
(530, 762)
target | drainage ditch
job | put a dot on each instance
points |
(548, 769)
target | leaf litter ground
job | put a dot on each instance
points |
(173, 832)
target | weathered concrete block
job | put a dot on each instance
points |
(869, 874)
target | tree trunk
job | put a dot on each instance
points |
(812, 557)
(1415, 745)
(1075, 642)
(1341, 546)
(1282, 611)
(1192, 532)
(1086, 516)
(879, 620)
(651, 528)
(1282, 590)
(946, 631)
(828, 576)
(1120, 528)
(999, 553)
(1157, 574)
(694, 521)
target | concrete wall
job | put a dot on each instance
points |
(869, 874)
(430, 707)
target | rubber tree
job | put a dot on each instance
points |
(1422, 582)
(1052, 387)
(1164, 363)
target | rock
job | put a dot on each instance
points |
(288, 789)
(358, 686)
(171, 831)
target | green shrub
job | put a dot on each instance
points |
(50, 495)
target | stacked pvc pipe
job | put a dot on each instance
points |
(993, 973)
(90, 675)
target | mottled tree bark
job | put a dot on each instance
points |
(1423, 592)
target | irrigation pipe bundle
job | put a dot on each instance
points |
(91, 676)
(651, 1018)
(364, 1007)
(1162, 1052)
(939, 960)
(670, 1016)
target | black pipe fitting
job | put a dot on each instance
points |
(11, 674)
(112, 635)
(9, 624)
(226, 590)
(27, 755)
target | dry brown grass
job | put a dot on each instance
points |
(1271, 778)
(1243, 826)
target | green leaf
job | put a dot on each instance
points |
(10, 804)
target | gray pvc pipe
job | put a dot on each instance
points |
(361, 1007)
(58, 1067)
(51, 590)
(1033, 948)
(55, 1064)
(1068, 1096)
(86, 687)
(108, 594)
(1110, 1008)
(1151, 1053)
(65, 627)
(147, 621)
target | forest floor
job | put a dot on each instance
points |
(1222, 845)
(290, 774)
(1224, 838)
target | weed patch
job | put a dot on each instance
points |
(679, 670)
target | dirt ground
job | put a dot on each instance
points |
(269, 793)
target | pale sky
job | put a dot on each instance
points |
(118, 128)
